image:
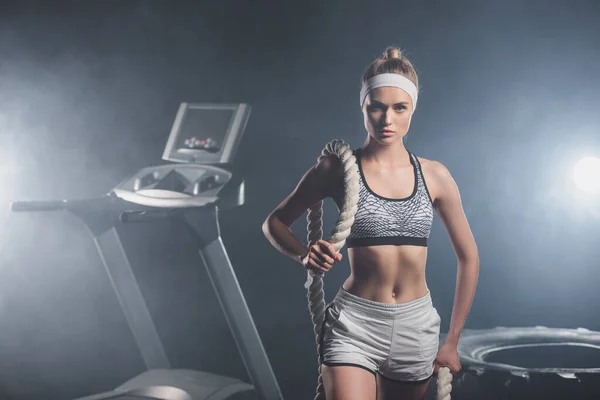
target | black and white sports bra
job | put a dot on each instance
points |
(384, 221)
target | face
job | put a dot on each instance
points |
(387, 112)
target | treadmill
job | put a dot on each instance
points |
(202, 143)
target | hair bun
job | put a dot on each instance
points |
(392, 52)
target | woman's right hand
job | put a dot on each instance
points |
(321, 257)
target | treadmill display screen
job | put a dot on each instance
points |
(206, 133)
(204, 129)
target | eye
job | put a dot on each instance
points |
(400, 107)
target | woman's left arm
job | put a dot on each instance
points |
(448, 206)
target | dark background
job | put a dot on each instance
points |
(89, 91)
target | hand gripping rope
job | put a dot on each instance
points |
(314, 281)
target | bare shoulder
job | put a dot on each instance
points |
(331, 175)
(433, 167)
(320, 181)
(437, 177)
(330, 166)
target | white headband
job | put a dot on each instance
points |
(393, 80)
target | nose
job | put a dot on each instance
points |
(387, 118)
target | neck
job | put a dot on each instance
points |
(394, 153)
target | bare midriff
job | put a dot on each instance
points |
(387, 274)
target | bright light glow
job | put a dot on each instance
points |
(587, 174)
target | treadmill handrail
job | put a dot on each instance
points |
(58, 205)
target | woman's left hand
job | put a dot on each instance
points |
(447, 356)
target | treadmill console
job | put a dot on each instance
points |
(203, 137)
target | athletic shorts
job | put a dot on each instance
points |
(398, 341)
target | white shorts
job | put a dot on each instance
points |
(398, 341)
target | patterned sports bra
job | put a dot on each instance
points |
(384, 221)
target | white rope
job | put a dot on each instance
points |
(314, 281)
(444, 384)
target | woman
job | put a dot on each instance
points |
(380, 338)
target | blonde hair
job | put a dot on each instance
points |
(391, 62)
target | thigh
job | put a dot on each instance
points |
(348, 383)
(395, 390)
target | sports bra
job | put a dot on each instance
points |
(383, 221)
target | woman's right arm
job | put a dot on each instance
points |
(318, 182)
